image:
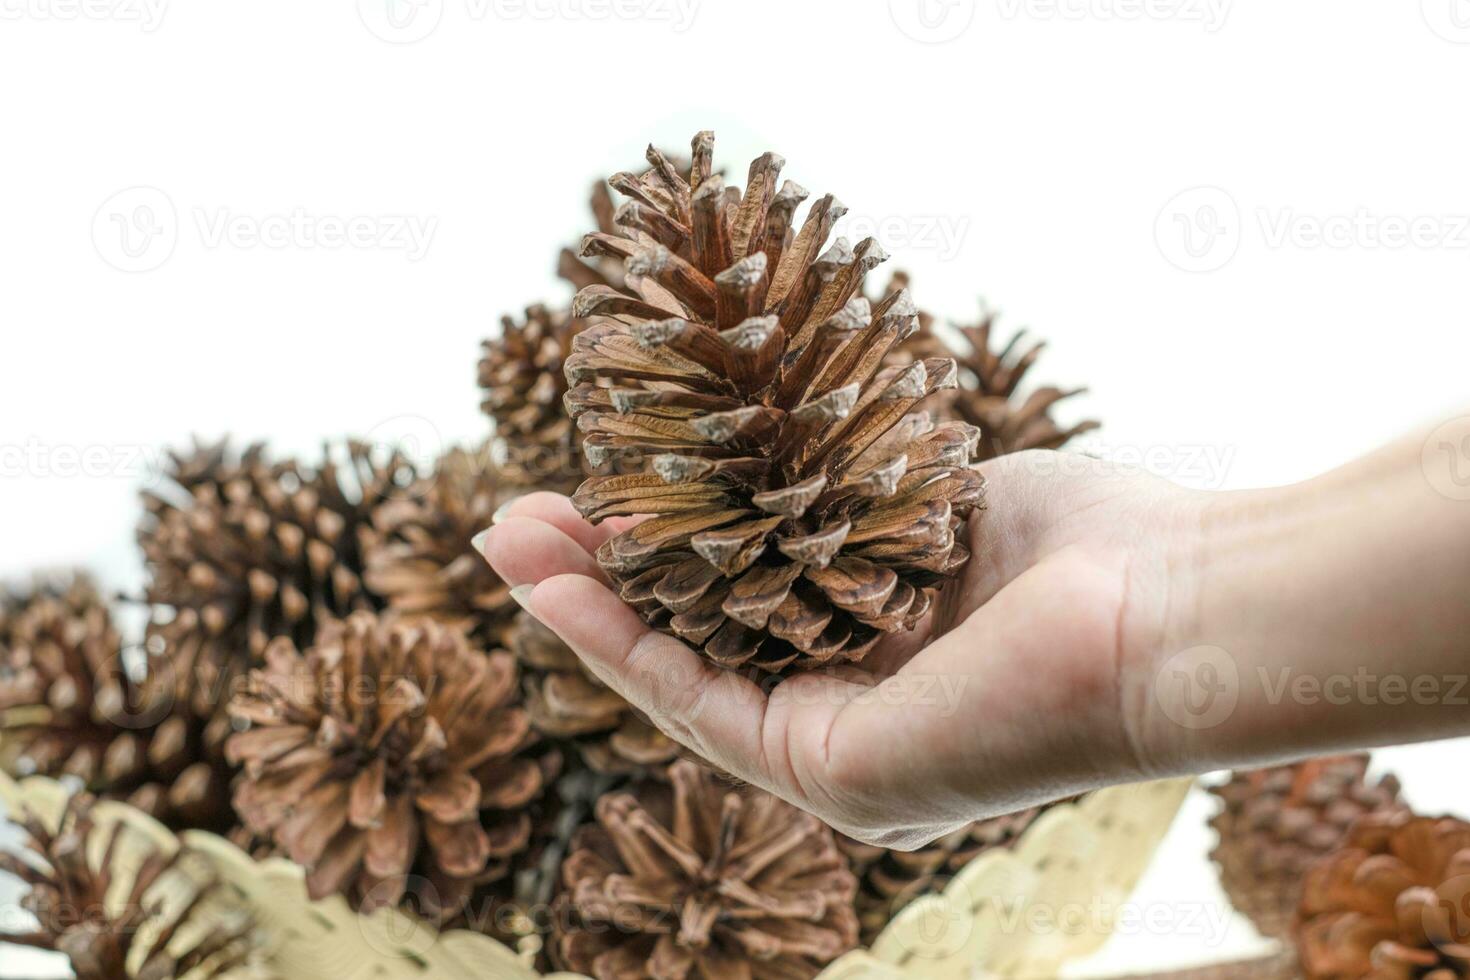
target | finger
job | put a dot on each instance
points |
(715, 713)
(557, 510)
(524, 551)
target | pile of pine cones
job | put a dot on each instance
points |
(330, 674)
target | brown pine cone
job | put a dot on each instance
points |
(392, 761)
(418, 553)
(695, 879)
(524, 383)
(890, 880)
(1390, 903)
(1276, 823)
(803, 508)
(989, 394)
(240, 550)
(148, 932)
(566, 703)
(69, 706)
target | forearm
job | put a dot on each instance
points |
(1336, 614)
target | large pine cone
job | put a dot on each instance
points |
(71, 706)
(172, 921)
(890, 880)
(568, 704)
(802, 507)
(392, 761)
(1390, 904)
(419, 556)
(240, 549)
(694, 879)
(989, 391)
(1276, 823)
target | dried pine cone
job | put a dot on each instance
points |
(890, 880)
(989, 395)
(1390, 903)
(522, 376)
(567, 703)
(1275, 823)
(802, 509)
(418, 552)
(69, 706)
(695, 879)
(240, 550)
(171, 921)
(392, 761)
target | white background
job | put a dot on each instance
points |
(1045, 155)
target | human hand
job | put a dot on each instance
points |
(1014, 691)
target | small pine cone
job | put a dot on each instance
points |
(1389, 903)
(522, 376)
(695, 879)
(890, 880)
(240, 550)
(566, 703)
(392, 761)
(802, 508)
(69, 706)
(172, 921)
(418, 552)
(1275, 823)
(989, 394)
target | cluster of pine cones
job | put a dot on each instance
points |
(330, 674)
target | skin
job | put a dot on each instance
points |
(1110, 627)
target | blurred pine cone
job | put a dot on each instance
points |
(171, 920)
(418, 553)
(568, 704)
(70, 705)
(1276, 823)
(524, 383)
(240, 550)
(989, 394)
(890, 880)
(392, 761)
(802, 507)
(1390, 903)
(695, 879)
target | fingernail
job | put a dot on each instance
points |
(478, 541)
(503, 510)
(522, 595)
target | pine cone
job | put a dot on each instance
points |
(598, 270)
(1389, 904)
(392, 761)
(240, 550)
(567, 703)
(801, 510)
(418, 552)
(70, 707)
(522, 375)
(988, 394)
(172, 921)
(890, 880)
(694, 879)
(1277, 822)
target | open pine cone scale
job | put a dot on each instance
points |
(801, 507)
